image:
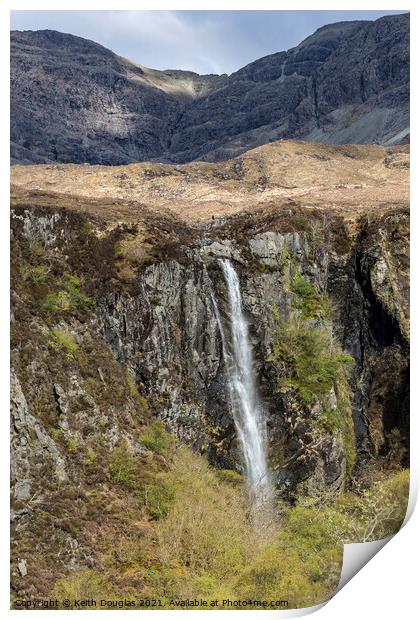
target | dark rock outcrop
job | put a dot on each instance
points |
(75, 101)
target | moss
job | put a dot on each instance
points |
(63, 340)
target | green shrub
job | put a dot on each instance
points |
(300, 562)
(301, 576)
(139, 399)
(87, 229)
(91, 455)
(230, 476)
(307, 298)
(63, 340)
(57, 303)
(72, 444)
(377, 511)
(68, 299)
(132, 387)
(344, 396)
(123, 466)
(276, 313)
(315, 366)
(312, 359)
(204, 585)
(38, 274)
(78, 300)
(207, 528)
(206, 546)
(134, 248)
(397, 446)
(118, 250)
(201, 542)
(82, 585)
(157, 439)
(158, 496)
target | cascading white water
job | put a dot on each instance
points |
(244, 399)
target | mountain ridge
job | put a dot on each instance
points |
(75, 101)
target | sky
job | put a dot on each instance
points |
(200, 41)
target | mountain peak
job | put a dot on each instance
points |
(74, 100)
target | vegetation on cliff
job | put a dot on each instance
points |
(315, 366)
(197, 538)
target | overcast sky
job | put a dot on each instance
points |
(201, 41)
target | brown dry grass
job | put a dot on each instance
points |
(348, 180)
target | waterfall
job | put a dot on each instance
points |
(243, 394)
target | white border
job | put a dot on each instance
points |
(387, 586)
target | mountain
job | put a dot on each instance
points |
(74, 101)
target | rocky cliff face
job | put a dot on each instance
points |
(75, 101)
(162, 332)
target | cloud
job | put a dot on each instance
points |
(201, 41)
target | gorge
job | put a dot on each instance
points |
(194, 305)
